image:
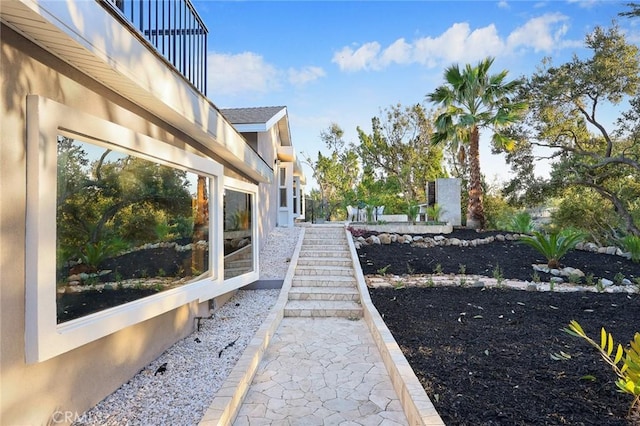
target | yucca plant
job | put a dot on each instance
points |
(625, 362)
(631, 243)
(553, 246)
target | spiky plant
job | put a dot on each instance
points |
(553, 246)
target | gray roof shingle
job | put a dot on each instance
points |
(250, 115)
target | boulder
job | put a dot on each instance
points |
(384, 239)
(373, 239)
(568, 271)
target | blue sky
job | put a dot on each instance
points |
(344, 61)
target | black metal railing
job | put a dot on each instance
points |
(175, 29)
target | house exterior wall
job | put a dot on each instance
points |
(268, 192)
(68, 384)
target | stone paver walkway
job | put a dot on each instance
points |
(321, 371)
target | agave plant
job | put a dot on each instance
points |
(553, 246)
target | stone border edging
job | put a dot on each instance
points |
(439, 240)
(226, 404)
(414, 400)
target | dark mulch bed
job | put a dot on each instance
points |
(141, 264)
(484, 355)
(75, 305)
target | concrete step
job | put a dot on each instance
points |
(326, 261)
(324, 293)
(315, 252)
(323, 241)
(322, 308)
(324, 271)
(339, 251)
(324, 281)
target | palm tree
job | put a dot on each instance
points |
(474, 99)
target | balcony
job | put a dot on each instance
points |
(176, 31)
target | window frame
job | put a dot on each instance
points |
(46, 119)
(251, 276)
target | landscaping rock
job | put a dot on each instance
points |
(384, 238)
(373, 239)
(606, 283)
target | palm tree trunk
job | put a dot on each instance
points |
(475, 209)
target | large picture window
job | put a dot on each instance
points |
(127, 228)
(121, 227)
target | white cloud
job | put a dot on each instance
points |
(300, 77)
(244, 72)
(503, 4)
(459, 43)
(543, 33)
(363, 58)
(398, 52)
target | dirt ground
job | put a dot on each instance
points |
(484, 356)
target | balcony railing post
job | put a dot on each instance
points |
(176, 31)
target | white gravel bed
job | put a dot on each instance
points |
(198, 365)
(276, 254)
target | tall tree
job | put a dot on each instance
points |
(472, 99)
(566, 117)
(399, 147)
(336, 173)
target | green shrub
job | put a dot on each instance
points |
(434, 212)
(553, 246)
(521, 223)
(631, 243)
(625, 362)
(412, 212)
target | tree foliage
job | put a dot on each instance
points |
(125, 199)
(336, 173)
(399, 148)
(566, 102)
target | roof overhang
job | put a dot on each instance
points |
(88, 37)
(288, 155)
(280, 119)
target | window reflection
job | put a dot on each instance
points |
(238, 247)
(127, 228)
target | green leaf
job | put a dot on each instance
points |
(619, 353)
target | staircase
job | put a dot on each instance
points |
(324, 283)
